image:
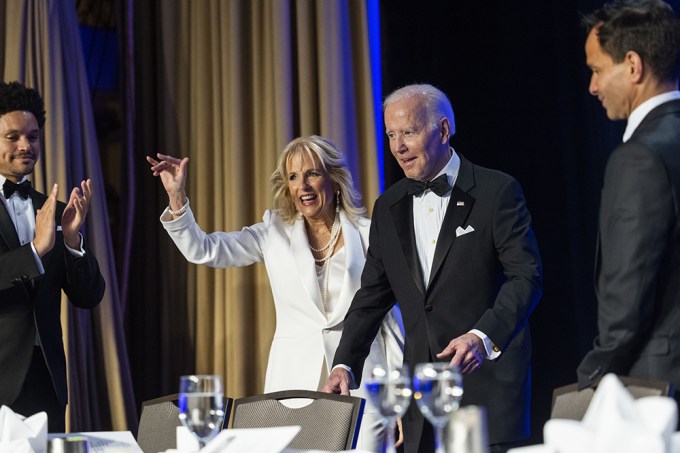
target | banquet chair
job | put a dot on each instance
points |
(570, 403)
(159, 421)
(328, 422)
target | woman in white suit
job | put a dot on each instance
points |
(313, 245)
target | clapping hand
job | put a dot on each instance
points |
(75, 213)
(45, 227)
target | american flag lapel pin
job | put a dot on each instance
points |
(460, 203)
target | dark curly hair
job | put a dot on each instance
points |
(16, 97)
(648, 27)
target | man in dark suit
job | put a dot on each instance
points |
(462, 260)
(41, 253)
(633, 50)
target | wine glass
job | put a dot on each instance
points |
(390, 392)
(201, 406)
(438, 389)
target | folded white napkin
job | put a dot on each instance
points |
(186, 442)
(22, 435)
(260, 440)
(615, 422)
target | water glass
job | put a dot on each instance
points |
(390, 391)
(201, 406)
(438, 389)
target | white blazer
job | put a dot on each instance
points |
(304, 338)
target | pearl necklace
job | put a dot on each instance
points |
(334, 235)
(323, 262)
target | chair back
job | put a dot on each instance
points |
(570, 403)
(159, 421)
(330, 422)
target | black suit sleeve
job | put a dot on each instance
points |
(84, 283)
(17, 267)
(370, 305)
(519, 257)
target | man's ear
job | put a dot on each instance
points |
(445, 129)
(635, 66)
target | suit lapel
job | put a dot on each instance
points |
(460, 205)
(354, 264)
(10, 236)
(303, 262)
(38, 200)
(402, 214)
(8, 231)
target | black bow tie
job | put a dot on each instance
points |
(23, 189)
(439, 185)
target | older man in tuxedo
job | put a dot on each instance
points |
(453, 243)
(633, 50)
(41, 253)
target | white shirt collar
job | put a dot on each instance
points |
(641, 111)
(451, 168)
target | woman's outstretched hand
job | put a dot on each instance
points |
(173, 174)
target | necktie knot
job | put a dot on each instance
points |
(23, 189)
(439, 185)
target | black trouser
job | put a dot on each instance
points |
(37, 395)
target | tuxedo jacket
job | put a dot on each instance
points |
(637, 268)
(305, 340)
(487, 279)
(29, 300)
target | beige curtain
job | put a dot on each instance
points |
(43, 50)
(243, 78)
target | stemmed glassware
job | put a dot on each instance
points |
(391, 393)
(201, 406)
(438, 389)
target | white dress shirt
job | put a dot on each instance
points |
(335, 276)
(429, 210)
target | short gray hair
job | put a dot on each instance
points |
(434, 101)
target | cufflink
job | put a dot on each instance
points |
(595, 373)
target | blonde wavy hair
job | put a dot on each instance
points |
(332, 160)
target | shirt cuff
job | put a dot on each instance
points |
(38, 261)
(352, 382)
(77, 253)
(492, 351)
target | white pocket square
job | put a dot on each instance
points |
(460, 231)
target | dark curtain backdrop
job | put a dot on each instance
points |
(161, 348)
(516, 75)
